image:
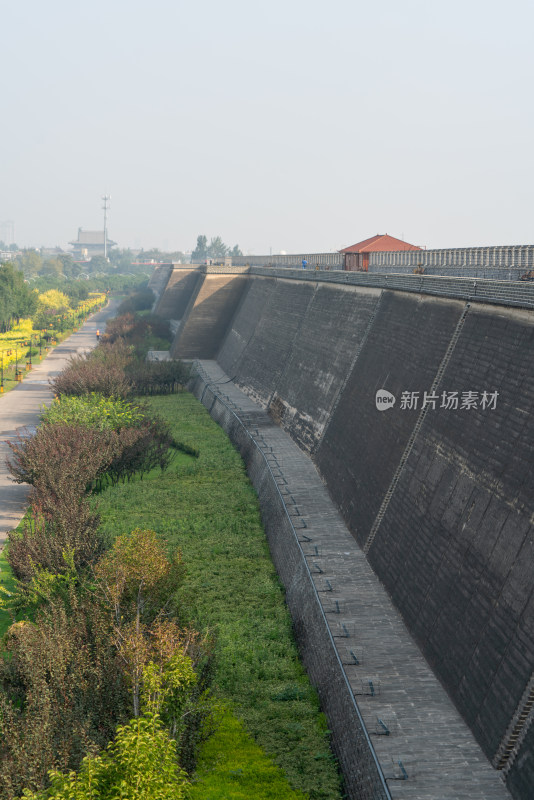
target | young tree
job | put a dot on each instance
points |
(200, 253)
(137, 580)
(140, 763)
(217, 248)
(16, 298)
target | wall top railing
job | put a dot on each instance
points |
(482, 290)
(216, 269)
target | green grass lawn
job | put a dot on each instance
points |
(232, 765)
(207, 507)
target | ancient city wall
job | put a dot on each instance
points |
(207, 315)
(299, 352)
(180, 286)
(455, 539)
(440, 499)
(455, 547)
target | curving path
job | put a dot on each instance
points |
(19, 410)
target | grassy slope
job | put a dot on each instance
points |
(209, 509)
(232, 765)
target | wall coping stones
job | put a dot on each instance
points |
(395, 731)
(216, 270)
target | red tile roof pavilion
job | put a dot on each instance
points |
(379, 243)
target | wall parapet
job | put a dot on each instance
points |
(214, 269)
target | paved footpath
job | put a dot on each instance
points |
(19, 410)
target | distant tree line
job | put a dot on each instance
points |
(215, 249)
(39, 264)
(154, 254)
(42, 264)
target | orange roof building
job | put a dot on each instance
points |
(357, 255)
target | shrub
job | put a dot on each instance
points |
(117, 367)
(119, 328)
(140, 764)
(114, 354)
(64, 692)
(61, 461)
(158, 377)
(138, 301)
(142, 333)
(45, 538)
(93, 411)
(66, 457)
(141, 449)
(138, 580)
(85, 375)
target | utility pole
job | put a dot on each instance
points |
(106, 198)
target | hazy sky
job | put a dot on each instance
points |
(285, 124)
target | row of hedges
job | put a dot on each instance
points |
(102, 654)
(118, 367)
(102, 602)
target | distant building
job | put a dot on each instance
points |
(89, 244)
(357, 255)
